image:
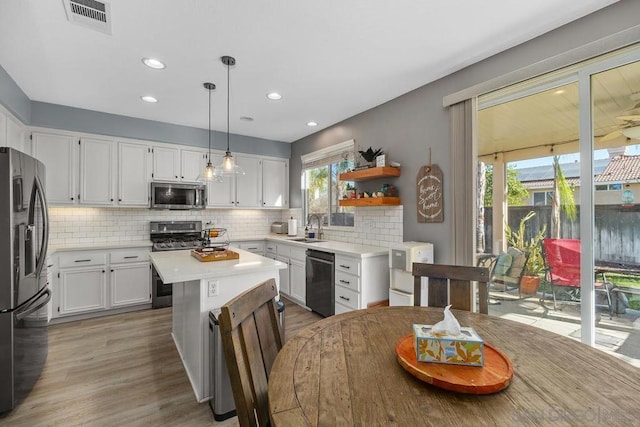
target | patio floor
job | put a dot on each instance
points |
(619, 336)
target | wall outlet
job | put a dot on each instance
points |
(213, 288)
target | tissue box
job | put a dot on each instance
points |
(464, 349)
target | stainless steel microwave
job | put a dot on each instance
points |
(177, 196)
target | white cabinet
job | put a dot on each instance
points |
(293, 279)
(256, 247)
(59, 155)
(82, 290)
(97, 160)
(297, 276)
(249, 185)
(275, 177)
(166, 163)
(176, 164)
(285, 275)
(91, 282)
(221, 194)
(11, 132)
(360, 281)
(192, 163)
(133, 174)
(242, 191)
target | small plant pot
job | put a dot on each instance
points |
(529, 285)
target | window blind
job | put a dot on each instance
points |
(326, 156)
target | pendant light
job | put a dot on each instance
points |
(229, 166)
(209, 171)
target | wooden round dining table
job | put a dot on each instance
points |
(343, 370)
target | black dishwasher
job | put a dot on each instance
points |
(320, 291)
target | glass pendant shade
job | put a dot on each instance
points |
(229, 166)
(210, 173)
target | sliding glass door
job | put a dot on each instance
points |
(562, 187)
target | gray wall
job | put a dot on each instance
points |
(76, 119)
(61, 117)
(13, 98)
(407, 126)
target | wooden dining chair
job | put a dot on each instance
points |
(459, 292)
(251, 338)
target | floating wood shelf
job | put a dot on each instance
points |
(371, 201)
(370, 173)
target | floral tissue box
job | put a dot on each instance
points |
(467, 348)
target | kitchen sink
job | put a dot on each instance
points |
(306, 240)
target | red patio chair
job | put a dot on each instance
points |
(562, 260)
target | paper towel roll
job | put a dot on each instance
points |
(293, 227)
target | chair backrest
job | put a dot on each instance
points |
(562, 258)
(459, 278)
(251, 338)
(508, 268)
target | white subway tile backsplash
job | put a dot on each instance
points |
(375, 226)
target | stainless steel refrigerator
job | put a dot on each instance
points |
(24, 292)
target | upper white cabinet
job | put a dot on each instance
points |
(134, 174)
(12, 132)
(103, 172)
(221, 194)
(59, 153)
(175, 164)
(192, 163)
(97, 160)
(166, 164)
(249, 185)
(275, 177)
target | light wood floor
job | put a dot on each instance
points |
(121, 370)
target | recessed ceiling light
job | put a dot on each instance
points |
(156, 64)
(312, 123)
(559, 92)
(149, 98)
(246, 119)
(274, 96)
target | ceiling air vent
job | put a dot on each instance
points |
(89, 13)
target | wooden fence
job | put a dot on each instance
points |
(617, 229)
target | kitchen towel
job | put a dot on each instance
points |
(293, 227)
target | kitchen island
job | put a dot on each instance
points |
(199, 287)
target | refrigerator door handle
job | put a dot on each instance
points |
(45, 226)
(32, 307)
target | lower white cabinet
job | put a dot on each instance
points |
(360, 282)
(130, 284)
(100, 280)
(297, 276)
(256, 247)
(284, 275)
(82, 290)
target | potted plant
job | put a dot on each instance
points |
(535, 263)
(370, 155)
(350, 191)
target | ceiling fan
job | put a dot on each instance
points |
(631, 118)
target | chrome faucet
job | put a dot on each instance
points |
(319, 221)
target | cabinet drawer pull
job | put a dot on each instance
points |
(131, 257)
(253, 249)
(82, 260)
(344, 281)
(345, 298)
(345, 266)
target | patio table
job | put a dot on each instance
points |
(343, 370)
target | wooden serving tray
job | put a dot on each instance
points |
(214, 255)
(494, 376)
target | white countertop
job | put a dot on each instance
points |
(98, 246)
(338, 248)
(180, 266)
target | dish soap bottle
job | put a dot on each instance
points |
(306, 231)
